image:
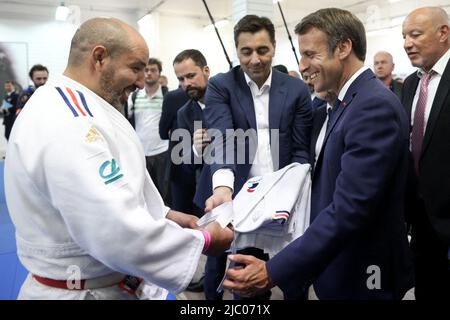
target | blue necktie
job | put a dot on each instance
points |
(317, 102)
(332, 112)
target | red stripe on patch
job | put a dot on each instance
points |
(74, 99)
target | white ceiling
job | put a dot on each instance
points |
(294, 10)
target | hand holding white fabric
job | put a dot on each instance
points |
(221, 239)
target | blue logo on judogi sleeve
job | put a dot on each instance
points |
(110, 172)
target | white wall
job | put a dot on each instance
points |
(178, 33)
(49, 43)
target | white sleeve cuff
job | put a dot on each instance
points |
(223, 178)
(167, 210)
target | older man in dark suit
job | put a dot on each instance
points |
(356, 245)
(427, 102)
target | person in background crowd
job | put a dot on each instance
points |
(281, 68)
(294, 74)
(9, 107)
(144, 112)
(163, 81)
(39, 76)
(383, 65)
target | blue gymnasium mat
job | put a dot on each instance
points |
(12, 273)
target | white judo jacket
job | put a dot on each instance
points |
(272, 210)
(79, 194)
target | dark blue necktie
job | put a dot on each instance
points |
(317, 102)
(332, 112)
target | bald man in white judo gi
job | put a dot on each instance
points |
(85, 209)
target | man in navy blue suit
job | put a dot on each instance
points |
(271, 108)
(192, 73)
(259, 100)
(356, 245)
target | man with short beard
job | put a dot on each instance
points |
(9, 107)
(193, 73)
(39, 76)
(85, 210)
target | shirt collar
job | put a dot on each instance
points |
(439, 66)
(266, 84)
(202, 105)
(347, 85)
(329, 107)
(158, 93)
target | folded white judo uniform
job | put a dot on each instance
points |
(80, 196)
(273, 210)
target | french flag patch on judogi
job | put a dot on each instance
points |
(75, 101)
(281, 216)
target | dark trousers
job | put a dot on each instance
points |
(431, 262)
(183, 184)
(214, 272)
(157, 167)
(8, 122)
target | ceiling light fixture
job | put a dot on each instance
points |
(62, 12)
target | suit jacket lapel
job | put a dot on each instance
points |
(245, 99)
(351, 93)
(344, 104)
(277, 97)
(438, 102)
(409, 96)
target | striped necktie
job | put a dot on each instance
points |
(418, 129)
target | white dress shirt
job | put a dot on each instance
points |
(321, 137)
(349, 82)
(438, 68)
(202, 106)
(262, 163)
